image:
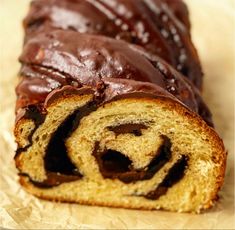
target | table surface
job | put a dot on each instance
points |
(213, 27)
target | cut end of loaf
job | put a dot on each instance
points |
(131, 152)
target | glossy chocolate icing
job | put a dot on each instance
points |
(109, 66)
(160, 26)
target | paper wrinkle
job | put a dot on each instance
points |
(20, 210)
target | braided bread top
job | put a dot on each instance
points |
(111, 67)
(160, 26)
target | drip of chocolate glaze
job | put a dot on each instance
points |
(128, 128)
(115, 165)
(175, 174)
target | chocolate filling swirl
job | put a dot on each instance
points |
(115, 165)
(112, 164)
(128, 128)
(174, 175)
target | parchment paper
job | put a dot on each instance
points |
(213, 33)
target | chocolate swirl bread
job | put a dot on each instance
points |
(102, 121)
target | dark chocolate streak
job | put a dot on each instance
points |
(113, 162)
(34, 113)
(115, 165)
(56, 158)
(55, 179)
(128, 128)
(174, 175)
(58, 166)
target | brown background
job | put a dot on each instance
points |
(213, 30)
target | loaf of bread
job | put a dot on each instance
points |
(109, 110)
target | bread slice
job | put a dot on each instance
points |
(136, 150)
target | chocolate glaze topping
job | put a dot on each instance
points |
(70, 58)
(160, 26)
